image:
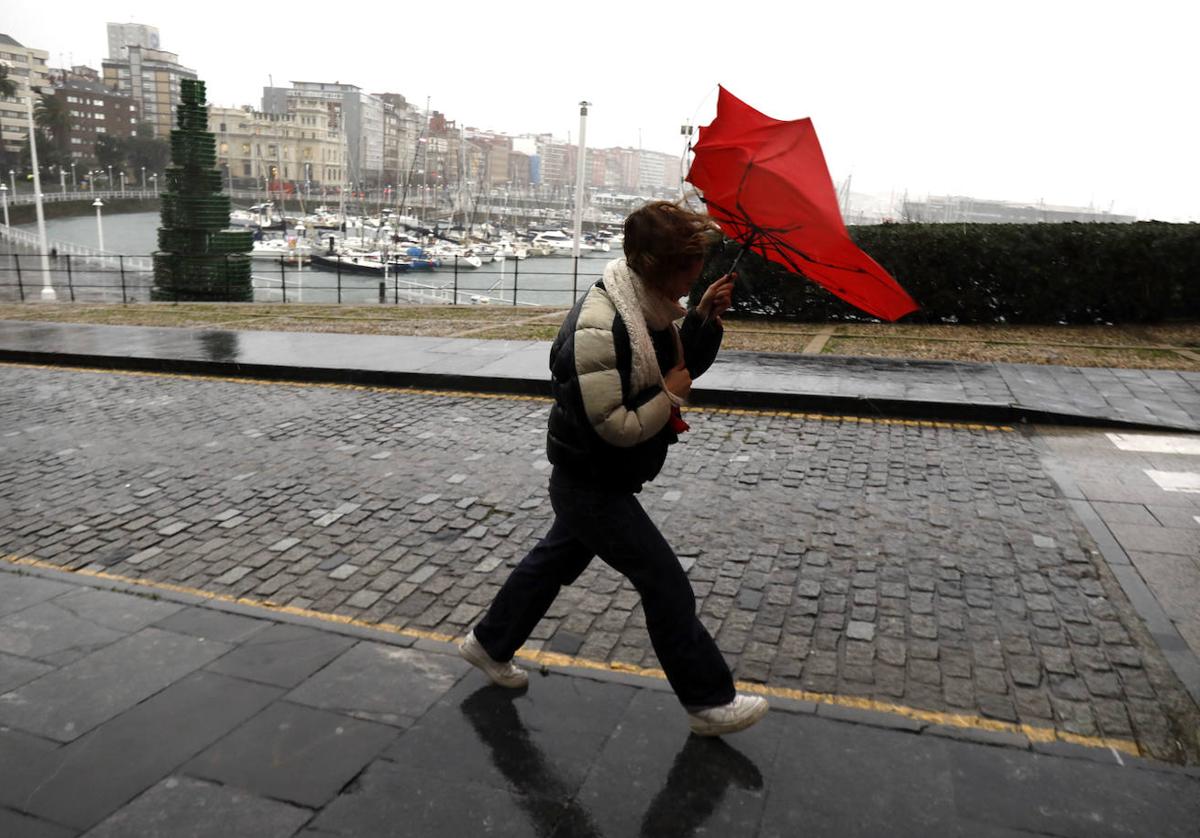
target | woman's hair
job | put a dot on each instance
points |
(662, 238)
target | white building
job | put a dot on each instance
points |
(25, 66)
(360, 115)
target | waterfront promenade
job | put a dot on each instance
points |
(231, 571)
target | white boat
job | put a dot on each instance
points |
(510, 250)
(293, 251)
(259, 215)
(561, 243)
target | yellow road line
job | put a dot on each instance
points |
(471, 394)
(959, 720)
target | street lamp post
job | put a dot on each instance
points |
(48, 294)
(110, 179)
(154, 180)
(99, 223)
(580, 184)
(73, 185)
(122, 183)
(4, 200)
(12, 178)
(62, 179)
(143, 178)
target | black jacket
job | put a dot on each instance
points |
(599, 431)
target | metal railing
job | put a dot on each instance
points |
(55, 196)
(82, 274)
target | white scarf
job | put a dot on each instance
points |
(641, 309)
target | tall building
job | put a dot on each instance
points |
(136, 66)
(26, 66)
(94, 111)
(360, 115)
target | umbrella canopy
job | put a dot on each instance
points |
(766, 184)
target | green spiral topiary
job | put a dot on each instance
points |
(198, 259)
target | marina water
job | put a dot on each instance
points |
(548, 281)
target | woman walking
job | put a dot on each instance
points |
(621, 368)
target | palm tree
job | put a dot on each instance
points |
(51, 115)
(8, 87)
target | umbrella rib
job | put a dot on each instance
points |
(758, 234)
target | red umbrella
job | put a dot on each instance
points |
(766, 184)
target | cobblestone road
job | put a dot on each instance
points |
(935, 567)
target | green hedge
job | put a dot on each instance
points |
(999, 273)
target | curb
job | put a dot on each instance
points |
(862, 406)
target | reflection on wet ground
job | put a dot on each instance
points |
(692, 791)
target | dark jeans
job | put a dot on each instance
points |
(592, 522)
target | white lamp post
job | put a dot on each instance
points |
(122, 183)
(12, 178)
(62, 179)
(99, 223)
(143, 178)
(579, 177)
(48, 294)
(110, 186)
(154, 180)
(4, 199)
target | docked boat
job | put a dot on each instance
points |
(372, 264)
(560, 243)
(292, 251)
(263, 216)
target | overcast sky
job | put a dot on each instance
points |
(1080, 103)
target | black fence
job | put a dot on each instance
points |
(125, 278)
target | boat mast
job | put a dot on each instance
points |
(425, 167)
(345, 159)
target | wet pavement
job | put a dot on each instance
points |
(209, 718)
(927, 389)
(965, 628)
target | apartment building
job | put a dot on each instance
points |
(359, 115)
(26, 67)
(94, 110)
(299, 147)
(151, 76)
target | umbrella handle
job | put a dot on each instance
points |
(738, 258)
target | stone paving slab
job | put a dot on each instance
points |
(185, 806)
(67, 703)
(984, 392)
(605, 755)
(293, 753)
(933, 566)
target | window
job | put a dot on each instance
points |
(100, 129)
(245, 148)
(246, 169)
(99, 116)
(224, 148)
(222, 127)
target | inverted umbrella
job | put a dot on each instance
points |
(766, 185)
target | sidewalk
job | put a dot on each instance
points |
(944, 390)
(164, 713)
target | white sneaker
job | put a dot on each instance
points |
(737, 715)
(505, 674)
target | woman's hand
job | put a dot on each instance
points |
(679, 381)
(717, 299)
